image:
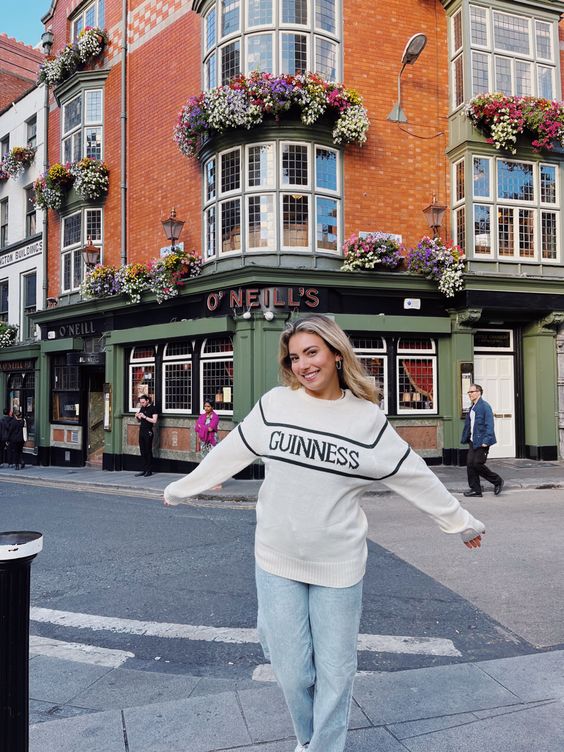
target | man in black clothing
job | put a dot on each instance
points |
(5, 421)
(147, 417)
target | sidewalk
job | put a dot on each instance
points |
(507, 705)
(518, 474)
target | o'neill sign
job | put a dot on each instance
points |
(270, 298)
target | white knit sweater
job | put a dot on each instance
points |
(320, 456)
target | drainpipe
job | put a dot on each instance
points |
(45, 285)
(123, 133)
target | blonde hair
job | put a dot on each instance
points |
(352, 374)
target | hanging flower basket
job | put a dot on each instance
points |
(438, 261)
(8, 334)
(502, 119)
(3, 174)
(50, 188)
(248, 100)
(91, 178)
(91, 42)
(18, 159)
(163, 276)
(373, 252)
(57, 68)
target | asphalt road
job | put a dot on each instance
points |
(111, 555)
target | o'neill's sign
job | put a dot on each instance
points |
(271, 298)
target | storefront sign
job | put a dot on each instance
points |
(21, 253)
(77, 329)
(492, 339)
(86, 358)
(17, 365)
(277, 298)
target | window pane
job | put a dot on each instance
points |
(90, 16)
(503, 77)
(93, 138)
(482, 229)
(294, 53)
(178, 386)
(511, 33)
(229, 16)
(523, 79)
(230, 62)
(217, 383)
(325, 169)
(259, 53)
(325, 15)
(480, 73)
(460, 220)
(294, 11)
(295, 222)
(260, 166)
(67, 150)
(415, 383)
(71, 230)
(94, 225)
(67, 261)
(72, 114)
(506, 237)
(478, 26)
(93, 106)
(30, 290)
(4, 300)
(327, 224)
(77, 268)
(545, 78)
(211, 29)
(231, 171)
(101, 18)
(210, 179)
(141, 381)
(231, 226)
(295, 164)
(526, 233)
(211, 71)
(259, 12)
(458, 81)
(549, 235)
(544, 40)
(548, 184)
(459, 180)
(210, 232)
(326, 58)
(515, 181)
(78, 26)
(374, 365)
(261, 222)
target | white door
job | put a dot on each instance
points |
(495, 375)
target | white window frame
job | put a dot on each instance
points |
(266, 187)
(134, 363)
(183, 359)
(224, 357)
(219, 65)
(416, 354)
(220, 35)
(493, 230)
(207, 48)
(24, 309)
(488, 57)
(518, 202)
(553, 210)
(259, 27)
(515, 209)
(287, 187)
(322, 197)
(219, 169)
(248, 69)
(84, 123)
(336, 193)
(70, 250)
(82, 16)
(455, 200)
(310, 218)
(495, 12)
(545, 204)
(364, 353)
(491, 168)
(323, 32)
(496, 349)
(553, 43)
(219, 240)
(292, 25)
(295, 30)
(266, 249)
(474, 45)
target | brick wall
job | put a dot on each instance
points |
(392, 178)
(19, 65)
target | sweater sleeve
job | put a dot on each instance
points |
(226, 459)
(419, 485)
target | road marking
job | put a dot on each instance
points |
(368, 642)
(265, 673)
(75, 651)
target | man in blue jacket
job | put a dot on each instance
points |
(479, 434)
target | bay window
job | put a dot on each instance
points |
(82, 126)
(91, 14)
(76, 228)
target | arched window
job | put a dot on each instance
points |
(416, 366)
(177, 378)
(371, 351)
(141, 374)
(216, 373)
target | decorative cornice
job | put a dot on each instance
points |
(467, 319)
(552, 322)
(78, 80)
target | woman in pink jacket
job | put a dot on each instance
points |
(206, 428)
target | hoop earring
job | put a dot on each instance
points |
(339, 364)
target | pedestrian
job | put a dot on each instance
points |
(5, 421)
(478, 433)
(147, 416)
(324, 441)
(17, 437)
(206, 429)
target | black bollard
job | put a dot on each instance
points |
(17, 551)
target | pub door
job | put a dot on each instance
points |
(94, 441)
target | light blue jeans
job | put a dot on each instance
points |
(309, 633)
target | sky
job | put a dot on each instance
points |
(22, 19)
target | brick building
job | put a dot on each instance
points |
(19, 64)
(268, 209)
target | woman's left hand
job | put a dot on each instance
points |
(474, 543)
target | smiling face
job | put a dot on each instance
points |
(314, 365)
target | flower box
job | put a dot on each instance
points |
(57, 68)
(18, 159)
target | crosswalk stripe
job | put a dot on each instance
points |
(367, 642)
(77, 652)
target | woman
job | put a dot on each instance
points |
(17, 437)
(323, 440)
(206, 429)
